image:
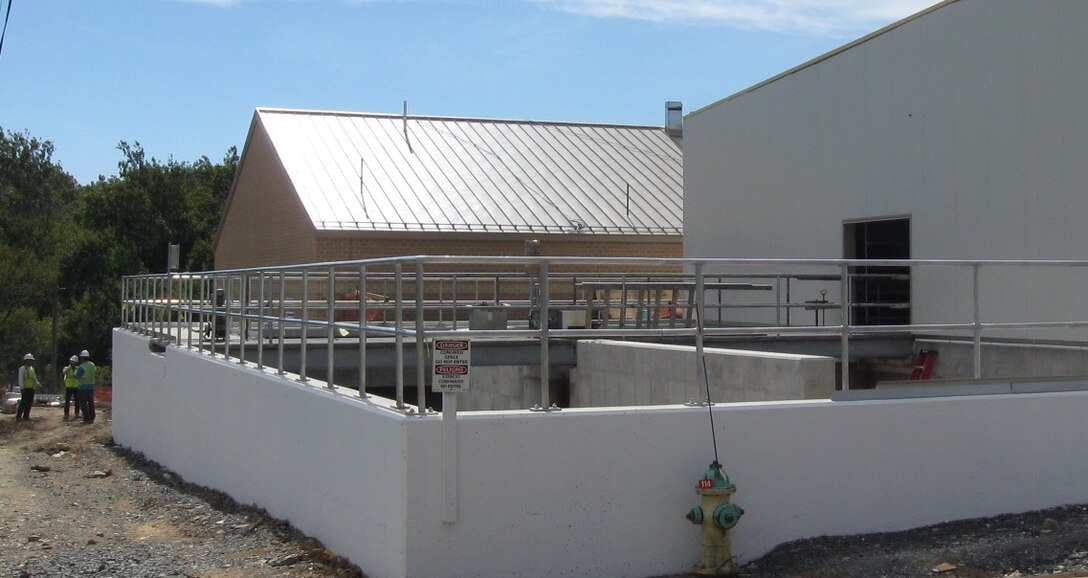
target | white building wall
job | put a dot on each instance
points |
(587, 492)
(970, 119)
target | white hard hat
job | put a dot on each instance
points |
(73, 358)
(28, 357)
(84, 353)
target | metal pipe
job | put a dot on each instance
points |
(399, 339)
(283, 315)
(545, 326)
(421, 381)
(330, 319)
(260, 321)
(455, 302)
(363, 322)
(305, 333)
(203, 309)
(243, 323)
(699, 326)
(227, 318)
(189, 314)
(845, 324)
(978, 325)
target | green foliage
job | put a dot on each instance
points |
(64, 248)
(88, 325)
(35, 194)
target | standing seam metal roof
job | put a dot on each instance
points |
(358, 172)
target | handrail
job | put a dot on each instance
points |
(303, 301)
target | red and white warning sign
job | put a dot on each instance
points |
(452, 365)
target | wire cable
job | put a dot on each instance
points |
(4, 32)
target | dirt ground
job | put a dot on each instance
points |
(73, 504)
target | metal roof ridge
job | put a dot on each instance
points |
(395, 116)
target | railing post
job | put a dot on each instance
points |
(455, 301)
(227, 317)
(283, 315)
(141, 304)
(844, 283)
(260, 321)
(421, 377)
(363, 322)
(243, 323)
(169, 326)
(700, 284)
(978, 324)
(545, 359)
(398, 316)
(449, 456)
(330, 309)
(778, 300)
(305, 324)
(203, 309)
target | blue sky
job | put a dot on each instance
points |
(182, 77)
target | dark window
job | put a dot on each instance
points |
(880, 294)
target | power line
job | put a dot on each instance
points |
(4, 32)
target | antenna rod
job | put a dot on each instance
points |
(404, 118)
(362, 185)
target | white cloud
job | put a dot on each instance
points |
(832, 17)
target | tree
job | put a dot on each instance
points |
(133, 217)
(36, 196)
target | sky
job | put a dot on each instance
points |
(183, 77)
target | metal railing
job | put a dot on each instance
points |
(422, 298)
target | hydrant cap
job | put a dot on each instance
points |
(717, 476)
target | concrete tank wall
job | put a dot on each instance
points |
(587, 492)
(612, 373)
(330, 463)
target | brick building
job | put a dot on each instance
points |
(316, 186)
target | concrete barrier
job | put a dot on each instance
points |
(586, 492)
(617, 373)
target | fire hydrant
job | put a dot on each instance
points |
(716, 515)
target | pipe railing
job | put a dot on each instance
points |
(327, 303)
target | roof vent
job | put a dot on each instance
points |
(675, 120)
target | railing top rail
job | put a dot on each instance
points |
(636, 261)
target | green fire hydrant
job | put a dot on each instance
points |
(716, 515)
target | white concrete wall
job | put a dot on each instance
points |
(612, 373)
(589, 492)
(971, 120)
(331, 464)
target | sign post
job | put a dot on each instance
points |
(452, 365)
(451, 375)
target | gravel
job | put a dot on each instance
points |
(76, 505)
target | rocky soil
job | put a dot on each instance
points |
(72, 504)
(1050, 542)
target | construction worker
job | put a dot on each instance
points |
(71, 385)
(86, 373)
(28, 380)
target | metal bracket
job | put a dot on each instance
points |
(551, 408)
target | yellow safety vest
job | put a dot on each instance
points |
(30, 379)
(70, 379)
